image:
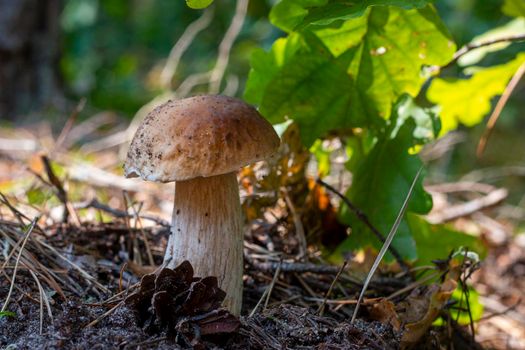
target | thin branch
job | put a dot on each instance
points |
(270, 287)
(320, 310)
(292, 267)
(190, 82)
(225, 46)
(180, 47)
(232, 85)
(499, 107)
(267, 291)
(362, 216)
(472, 46)
(104, 315)
(120, 213)
(299, 228)
(468, 208)
(68, 125)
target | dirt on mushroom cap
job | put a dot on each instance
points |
(199, 136)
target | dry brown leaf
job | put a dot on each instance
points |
(384, 312)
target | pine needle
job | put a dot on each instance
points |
(385, 246)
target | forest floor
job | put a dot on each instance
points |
(84, 238)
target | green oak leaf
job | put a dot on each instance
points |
(514, 8)
(390, 59)
(380, 184)
(290, 15)
(467, 101)
(198, 4)
(436, 242)
(265, 65)
(350, 75)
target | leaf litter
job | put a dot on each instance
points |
(174, 308)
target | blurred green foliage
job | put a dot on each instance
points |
(113, 50)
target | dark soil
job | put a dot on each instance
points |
(283, 327)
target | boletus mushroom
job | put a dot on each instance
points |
(200, 143)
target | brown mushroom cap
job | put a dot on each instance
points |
(199, 136)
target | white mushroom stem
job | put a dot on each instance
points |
(207, 231)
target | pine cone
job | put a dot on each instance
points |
(183, 305)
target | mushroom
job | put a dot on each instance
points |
(200, 143)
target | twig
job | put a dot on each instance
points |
(182, 45)
(104, 315)
(68, 125)
(266, 292)
(43, 300)
(225, 46)
(61, 192)
(461, 186)
(104, 143)
(84, 172)
(21, 249)
(140, 227)
(384, 248)
(270, 287)
(320, 310)
(7, 146)
(120, 213)
(343, 301)
(137, 258)
(468, 208)
(412, 286)
(232, 85)
(149, 342)
(41, 303)
(472, 46)
(494, 173)
(465, 292)
(19, 215)
(362, 216)
(190, 82)
(120, 276)
(299, 229)
(305, 285)
(293, 267)
(499, 107)
(499, 309)
(86, 275)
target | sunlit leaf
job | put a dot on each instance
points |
(35, 196)
(348, 76)
(265, 65)
(514, 8)
(198, 4)
(322, 156)
(467, 101)
(389, 61)
(292, 14)
(475, 306)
